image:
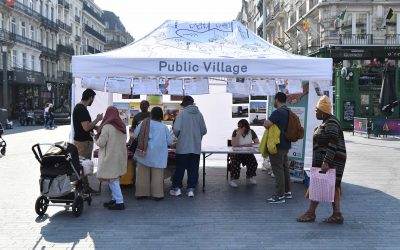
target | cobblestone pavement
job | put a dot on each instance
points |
(220, 218)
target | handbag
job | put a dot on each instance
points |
(133, 145)
(55, 187)
(322, 185)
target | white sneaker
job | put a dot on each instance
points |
(190, 193)
(233, 183)
(251, 181)
(272, 175)
(175, 192)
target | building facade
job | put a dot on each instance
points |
(39, 38)
(361, 36)
(115, 32)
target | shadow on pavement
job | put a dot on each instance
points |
(228, 218)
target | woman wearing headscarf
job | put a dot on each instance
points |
(111, 139)
(151, 155)
(329, 151)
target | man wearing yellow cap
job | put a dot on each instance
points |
(329, 151)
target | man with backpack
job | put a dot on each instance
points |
(291, 130)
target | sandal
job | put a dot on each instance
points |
(335, 218)
(307, 217)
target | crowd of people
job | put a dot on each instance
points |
(151, 139)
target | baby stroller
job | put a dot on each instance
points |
(60, 178)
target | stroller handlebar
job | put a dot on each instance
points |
(38, 152)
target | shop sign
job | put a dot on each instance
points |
(26, 77)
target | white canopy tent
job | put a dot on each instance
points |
(202, 49)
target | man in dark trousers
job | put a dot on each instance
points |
(279, 161)
(83, 127)
(189, 128)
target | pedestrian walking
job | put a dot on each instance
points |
(329, 152)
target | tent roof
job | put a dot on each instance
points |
(175, 47)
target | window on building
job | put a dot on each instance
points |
(32, 33)
(52, 13)
(1, 20)
(13, 25)
(48, 68)
(53, 39)
(32, 62)
(14, 58)
(46, 11)
(31, 4)
(23, 29)
(24, 62)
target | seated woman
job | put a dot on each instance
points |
(243, 136)
(151, 155)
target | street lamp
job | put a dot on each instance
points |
(48, 85)
(5, 83)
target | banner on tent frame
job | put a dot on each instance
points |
(196, 86)
(124, 111)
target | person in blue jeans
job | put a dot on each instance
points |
(189, 128)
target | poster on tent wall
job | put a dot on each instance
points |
(95, 83)
(124, 111)
(171, 111)
(134, 108)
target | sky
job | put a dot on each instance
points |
(140, 17)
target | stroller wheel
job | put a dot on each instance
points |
(41, 205)
(77, 206)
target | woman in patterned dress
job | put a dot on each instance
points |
(329, 151)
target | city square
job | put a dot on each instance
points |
(230, 124)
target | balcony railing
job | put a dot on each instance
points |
(26, 10)
(30, 72)
(116, 43)
(95, 33)
(77, 19)
(64, 26)
(302, 10)
(47, 23)
(26, 41)
(90, 49)
(313, 3)
(392, 39)
(65, 76)
(47, 52)
(277, 8)
(5, 35)
(78, 38)
(92, 12)
(69, 50)
(64, 3)
(356, 39)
